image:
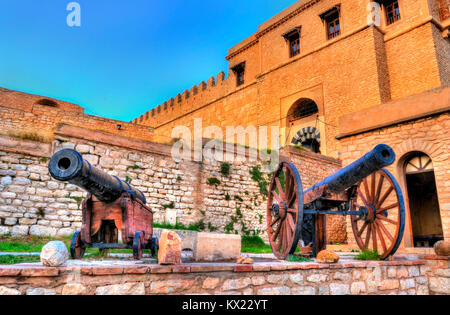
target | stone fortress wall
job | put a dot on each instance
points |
(31, 202)
(385, 62)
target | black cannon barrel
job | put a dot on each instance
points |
(381, 156)
(67, 165)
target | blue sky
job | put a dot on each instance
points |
(128, 56)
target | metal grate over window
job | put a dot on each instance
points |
(392, 12)
(305, 109)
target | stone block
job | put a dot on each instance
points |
(358, 287)
(41, 291)
(169, 248)
(4, 230)
(19, 230)
(339, 289)
(303, 291)
(275, 291)
(217, 247)
(188, 238)
(8, 291)
(122, 289)
(74, 289)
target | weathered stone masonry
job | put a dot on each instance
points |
(419, 277)
(31, 202)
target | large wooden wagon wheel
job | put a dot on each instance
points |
(138, 245)
(285, 210)
(381, 228)
(77, 247)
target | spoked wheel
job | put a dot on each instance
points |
(381, 227)
(138, 245)
(154, 246)
(77, 247)
(285, 210)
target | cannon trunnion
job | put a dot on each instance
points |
(363, 190)
(112, 205)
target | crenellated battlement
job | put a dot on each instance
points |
(189, 100)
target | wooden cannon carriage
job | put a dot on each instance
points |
(112, 205)
(363, 190)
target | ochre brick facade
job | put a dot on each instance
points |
(392, 79)
(363, 67)
(36, 117)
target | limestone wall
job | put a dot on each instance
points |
(417, 277)
(31, 202)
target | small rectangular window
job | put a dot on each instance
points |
(294, 45)
(333, 26)
(392, 11)
(240, 77)
(331, 19)
(293, 38)
(239, 71)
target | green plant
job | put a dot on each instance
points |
(79, 200)
(128, 179)
(44, 160)
(244, 230)
(238, 198)
(225, 169)
(229, 227)
(258, 177)
(200, 225)
(368, 255)
(211, 227)
(134, 167)
(260, 217)
(179, 226)
(28, 244)
(179, 179)
(294, 258)
(41, 212)
(13, 260)
(213, 181)
(239, 212)
(227, 197)
(171, 205)
(255, 244)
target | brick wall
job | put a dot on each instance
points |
(384, 61)
(42, 120)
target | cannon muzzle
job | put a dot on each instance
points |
(68, 165)
(381, 156)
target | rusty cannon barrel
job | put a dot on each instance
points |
(381, 156)
(68, 165)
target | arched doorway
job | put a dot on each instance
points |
(302, 125)
(309, 138)
(424, 208)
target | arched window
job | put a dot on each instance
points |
(47, 102)
(423, 200)
(302, 109)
